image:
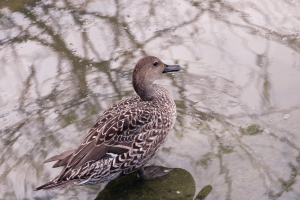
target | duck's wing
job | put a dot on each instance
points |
(123, 105)
(115, 135)
(118, 130)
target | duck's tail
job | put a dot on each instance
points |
(58, 185)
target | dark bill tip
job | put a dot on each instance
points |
(172, 68)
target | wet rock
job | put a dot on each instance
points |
(178, 184)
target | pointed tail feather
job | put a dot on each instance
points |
(59, 185)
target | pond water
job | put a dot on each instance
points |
(62, 63)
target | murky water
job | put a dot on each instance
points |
(238, 98)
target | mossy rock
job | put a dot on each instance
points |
(204, 192)
(178, 184)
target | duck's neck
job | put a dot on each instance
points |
(146, 90)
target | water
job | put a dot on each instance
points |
(238, 97)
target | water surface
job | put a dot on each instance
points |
(238, 97)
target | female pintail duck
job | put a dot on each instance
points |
(125, 137)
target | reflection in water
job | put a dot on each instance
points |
(64, 62)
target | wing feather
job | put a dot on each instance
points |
(112, 128)
(60, 156)
(116, 130)
(96, 153)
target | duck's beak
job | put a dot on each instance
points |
(171, 68)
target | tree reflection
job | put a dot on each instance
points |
(93, 46)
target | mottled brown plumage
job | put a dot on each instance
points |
(125, 137)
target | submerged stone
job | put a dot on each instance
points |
(178, 184)
(204, 192)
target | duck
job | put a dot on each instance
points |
(125, 137)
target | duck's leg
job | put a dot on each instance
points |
(151, 172)
(141, 172)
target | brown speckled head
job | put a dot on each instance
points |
(146, 71)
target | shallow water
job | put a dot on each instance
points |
(238, 97)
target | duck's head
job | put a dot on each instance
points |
(146, 71)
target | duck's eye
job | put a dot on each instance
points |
(155, 63)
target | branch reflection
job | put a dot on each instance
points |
(64, 62)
